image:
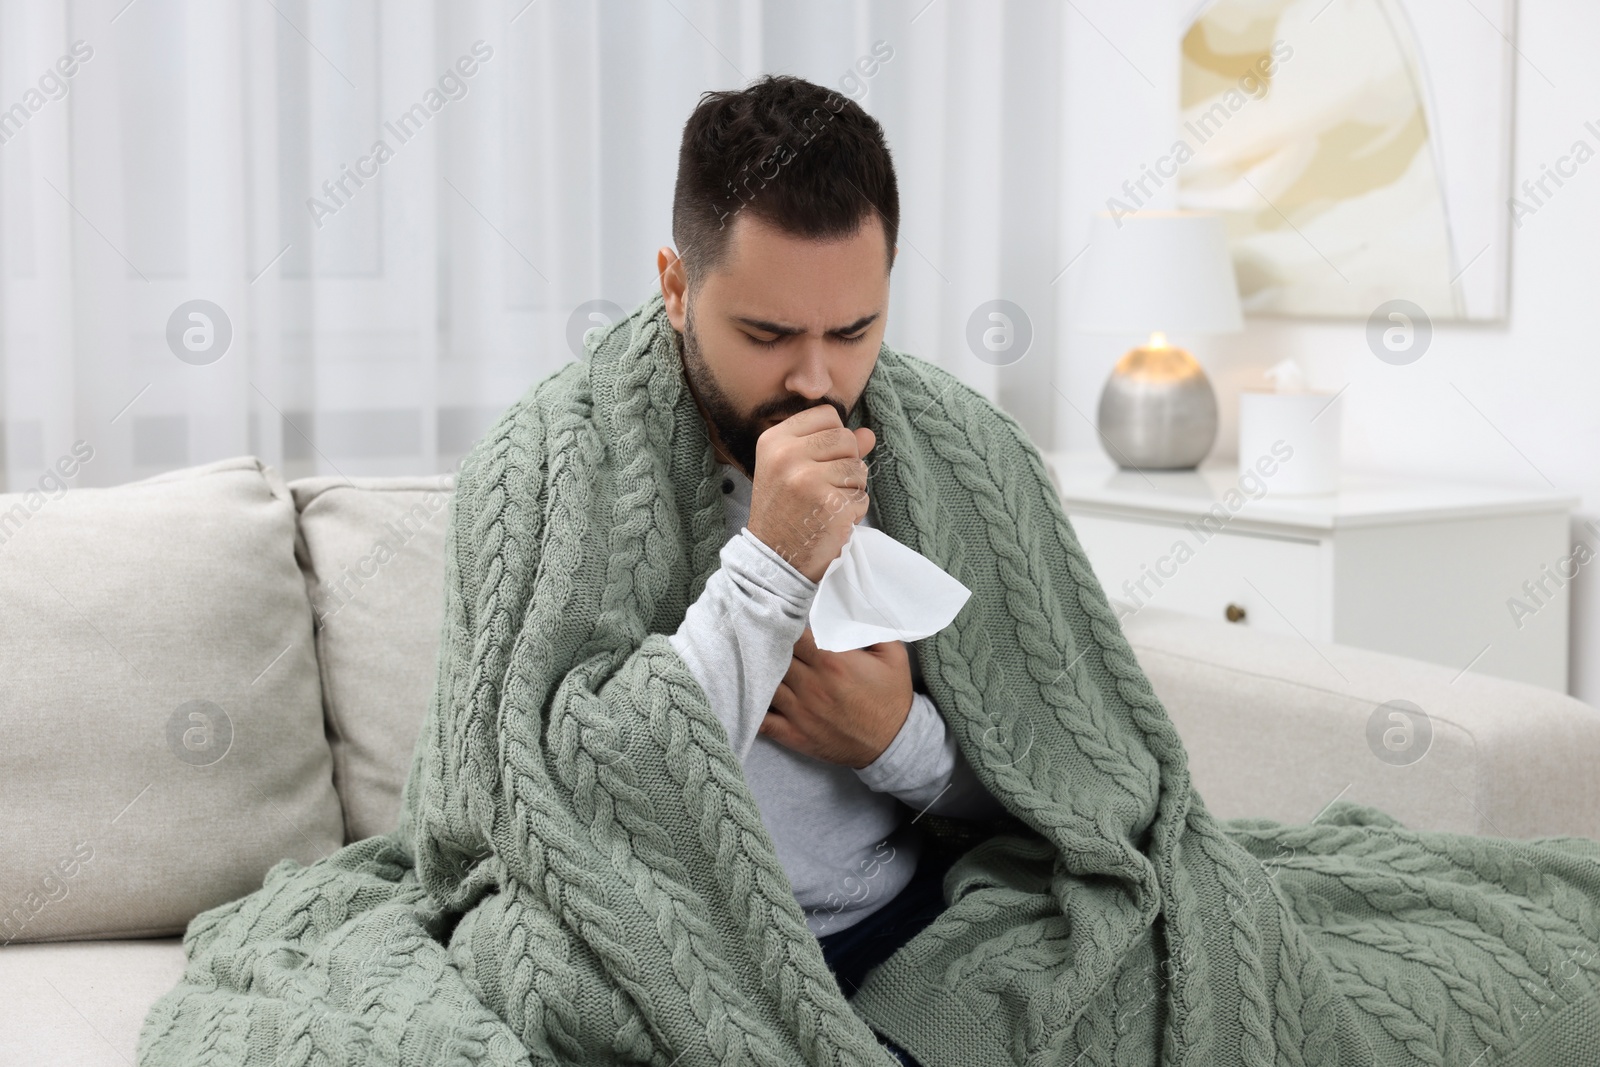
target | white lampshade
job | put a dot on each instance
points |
(1158, 270)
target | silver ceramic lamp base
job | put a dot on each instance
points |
(1158, 410)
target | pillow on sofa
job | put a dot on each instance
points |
(160, 702)
(373, 555)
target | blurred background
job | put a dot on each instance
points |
(205, 253)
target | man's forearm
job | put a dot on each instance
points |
(738, 637)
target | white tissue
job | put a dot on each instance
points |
(879, 590)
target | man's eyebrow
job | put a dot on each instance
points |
(790, 331)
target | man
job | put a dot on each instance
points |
(780, 307)
(647, 822)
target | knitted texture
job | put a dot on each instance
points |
(580, 874)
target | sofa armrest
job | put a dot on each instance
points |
(1278, 727)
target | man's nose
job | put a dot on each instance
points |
(810, 376)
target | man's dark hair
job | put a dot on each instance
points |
(797, 155)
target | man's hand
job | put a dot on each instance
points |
(810, 487)
(841, 707)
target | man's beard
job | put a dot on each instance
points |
(738, 432)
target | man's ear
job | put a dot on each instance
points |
(674, 284)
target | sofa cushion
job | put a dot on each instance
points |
(160, 703)
(373, 554)
(82, 1004)
(1278, 727)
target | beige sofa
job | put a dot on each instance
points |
(207, 671)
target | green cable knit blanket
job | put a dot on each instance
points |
(580, 874)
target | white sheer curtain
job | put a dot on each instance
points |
(380, 331)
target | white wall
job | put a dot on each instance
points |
(1534, 380)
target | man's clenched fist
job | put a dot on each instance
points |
(810, 487)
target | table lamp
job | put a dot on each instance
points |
(1153, 273)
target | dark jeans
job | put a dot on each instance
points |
(852, 952)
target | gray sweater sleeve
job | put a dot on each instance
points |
(737, 640)
(738, 637)
(924, 768)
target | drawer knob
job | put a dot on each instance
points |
(1233, 613)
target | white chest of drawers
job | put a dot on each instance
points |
(1469, 576)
